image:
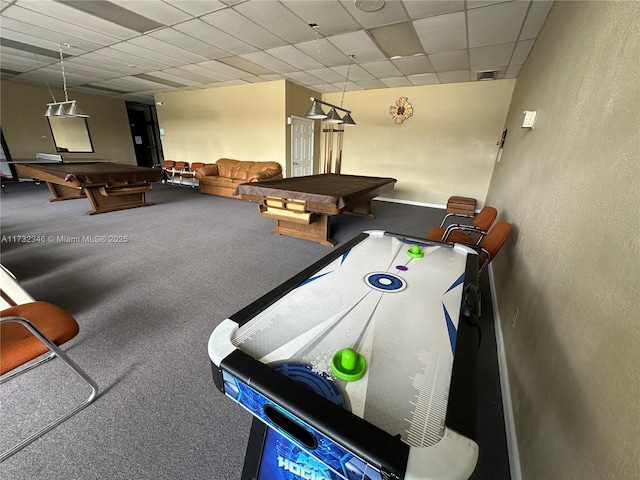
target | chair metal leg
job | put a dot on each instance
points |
(56, 351)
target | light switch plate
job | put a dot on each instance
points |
(529, 118)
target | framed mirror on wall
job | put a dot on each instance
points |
(71, 134)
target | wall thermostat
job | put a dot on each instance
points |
(529, 119)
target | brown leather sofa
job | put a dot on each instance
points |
(226, 174)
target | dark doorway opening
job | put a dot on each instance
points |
(145, 134)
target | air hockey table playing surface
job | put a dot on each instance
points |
(406, 305)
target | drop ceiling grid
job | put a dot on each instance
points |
(458, 37)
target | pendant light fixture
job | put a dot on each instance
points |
(68, 108)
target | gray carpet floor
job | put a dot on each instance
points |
(147, 303)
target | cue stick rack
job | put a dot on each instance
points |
(328, 149)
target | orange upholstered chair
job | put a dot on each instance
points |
(493, 242)
(469, 234)
(30, 334)
(167, 168)
(190, 173)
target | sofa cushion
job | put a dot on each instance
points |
(233, 168)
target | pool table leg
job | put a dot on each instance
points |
(64, 192)
(104, 199)
(362, 210)
(317, 230)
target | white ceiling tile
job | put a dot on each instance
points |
(417, 9)
(187, 42)
(272, 77)
(327, 75)
(455, 77)
(371, 84)
(136, 52)
(425, 79)
(126, 83)
(214, 36)
(73, 16)
(384, 68)
(356, 73)
(535, 19)
(331, 17)
(231, 22)
(521, 52)
(267, 61)
(413, 65)
(302, 77)
(43, 42)
(17, 63)
(169, 50)
(396, 82)
(102, 64)
(180, 72)
(328, 88)
(512, 71)
(28, 58)
(207, 73)
(358, 44)
(30, 17)
(293, 56)
(483, 3)
(173, 78)
(491, 57)
(227, 70)
(496, 24)
(329, 54)
(161, 12)
(130, 59)
(197, 7)
(443, 32)
(392, 12)
(448, 61)
(278, 20)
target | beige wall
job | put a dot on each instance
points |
(27, 132)
(571, 187)
(246, 122)
(448, 147)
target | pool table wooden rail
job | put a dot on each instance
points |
(302, 206)
(111, 193)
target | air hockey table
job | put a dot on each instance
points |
(408, 309)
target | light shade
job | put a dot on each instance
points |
(49, 111)
(315, 112)
(75, 111)
(347, 121)
(58, 110)
(333, 117)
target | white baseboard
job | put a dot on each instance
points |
(417, 204)
(410, 202)
(512, 440)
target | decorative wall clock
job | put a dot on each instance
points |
(401, 110)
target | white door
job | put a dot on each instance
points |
(301, 146)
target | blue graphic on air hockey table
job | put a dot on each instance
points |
(284, 460)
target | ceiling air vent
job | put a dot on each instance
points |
(488, 75)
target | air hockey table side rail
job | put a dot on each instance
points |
(296, 412)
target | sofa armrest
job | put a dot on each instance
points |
(268, 174)
(207, 171)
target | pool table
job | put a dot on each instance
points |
(108, 186)
(302, 206)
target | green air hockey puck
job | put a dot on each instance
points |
(348, 365)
